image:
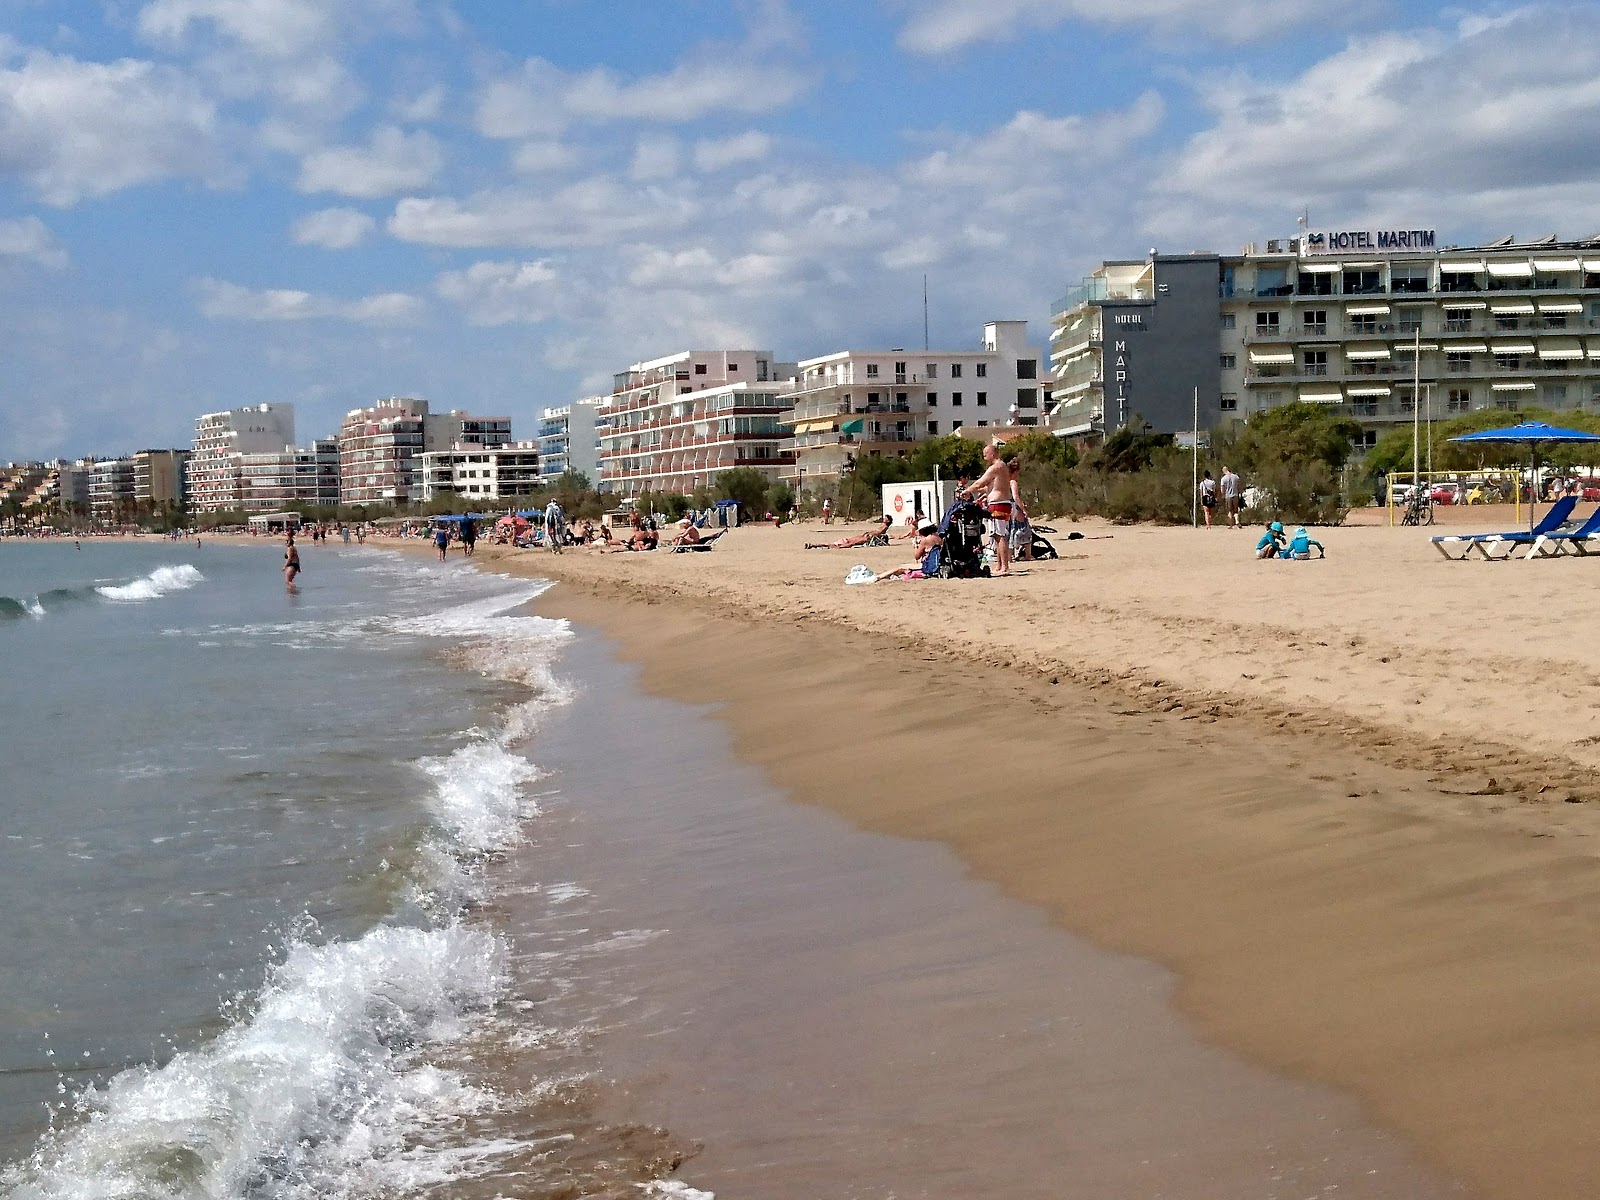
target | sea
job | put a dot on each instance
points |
(389, 887)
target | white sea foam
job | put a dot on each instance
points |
(321, 1091)
(676, 1189)
(156, 584)
(478, 797)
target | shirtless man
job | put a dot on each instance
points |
(996, 484)
(291, 560)
(860, 539)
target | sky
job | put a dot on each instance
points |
(496, 205)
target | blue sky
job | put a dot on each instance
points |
(495, 205)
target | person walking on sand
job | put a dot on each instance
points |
(1208, 496)
(1232, 494)
(555, 525)
(291, 560)
(996, 483)
(827, 510)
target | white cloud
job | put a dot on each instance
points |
(426, 105)
(538, 157)
(220, 300)
(1386, 123)
(654, 157)
(74, 129)
(392, 161)
(943, 26)
(541, 99)
(590, 212)
(333, 228)
(30, 240)
(498, 293)
(273, 28)
(714, 155)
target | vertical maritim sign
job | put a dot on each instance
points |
(1119, 371)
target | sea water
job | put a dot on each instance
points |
(243, 834)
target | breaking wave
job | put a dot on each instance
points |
(156, 584)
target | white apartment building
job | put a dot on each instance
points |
(569, 440)
(213, 477)
(503, 473)
(675, 423)
(380, 447)
(290, 475)
(882, 402)
(111, 497)
(1369, 322)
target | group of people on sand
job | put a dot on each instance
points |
(1229, 489)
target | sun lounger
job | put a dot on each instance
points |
(702, 544)
(1502, 546)
(1553, 545)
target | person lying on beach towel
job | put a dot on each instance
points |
(880, 530)
(929, 551)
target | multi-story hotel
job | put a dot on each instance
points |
(569, 440)
(477, 472)
(675, 423)
(380, 447)
(1365, 321)
(860, 402)
(111, 491)
(214, 482)
(290, 475)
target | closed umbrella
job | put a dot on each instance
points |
(1532, 434)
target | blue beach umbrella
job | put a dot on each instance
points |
(1531, 434)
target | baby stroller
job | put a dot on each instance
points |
(962, 531)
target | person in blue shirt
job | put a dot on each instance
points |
(1272, 541)
(1301, 543)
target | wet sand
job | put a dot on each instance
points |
(830, 1012)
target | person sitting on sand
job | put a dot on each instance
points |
(1301, 543)
(1272, 541)
(688, 535)
(881, 529)
(930, 549)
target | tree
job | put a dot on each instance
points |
(954, 456)
(1295, 433)
(1040, 446)
(780, 498)
(747, 486)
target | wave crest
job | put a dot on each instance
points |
(156, 584)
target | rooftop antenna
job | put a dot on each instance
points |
(924, 312)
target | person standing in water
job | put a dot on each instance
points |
(291, 560)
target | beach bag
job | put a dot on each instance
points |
(861, 573)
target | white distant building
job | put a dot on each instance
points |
(676, 423)
(380, 448)
(270, 483)
(214, 482)
(882, 402)
(569, 440)
(480, 472)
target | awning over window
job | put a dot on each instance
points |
(1511, 387)
(813, 426)
(1556, 264)
(1512, 347)
(1560, 348)
(1591, 264)
(1319, 268)
(1514, 308)
(1272, 356)
(1472, 304)
(1560, 306)
(1367, 310)
(1461, 268)
(1468, 348)
(1371, 389)
(1511, 270)
(1322, 395)
(1413, 347)
(1367, 351)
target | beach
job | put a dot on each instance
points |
(1347, 802)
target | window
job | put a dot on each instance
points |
(1555, 320)
(1505, 322)
(1457, 320)
(1554, 393)
(1227, 321)
(1027, 397)
(1458, 281)
(872, 370)
(1364, 323)
(1458, 400)
(733, 368)
(900, 371)
(1273, 281)
(1229, 402)
(933, 399)
(983, 399)
(1315, 362)
(1457, 362)
(1408, 277)
(930, 370)
(955, 399)
(933, 429)
(982, 424)
(954, 425)
(1267, 322)
(1507, 362)
(901, 404)
(1272, 397)
(1366, 439)
(1315, 320)
(699, 368)
(983, 369)
(1319, 284)
(1229, 362)
(955, 370)
(1362, 283)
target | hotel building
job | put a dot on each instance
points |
(860, 402)
(288, 476)
(675, 423)
(1363, 321)
(214, 482)
(569, 440)
(111, 499)
(506, 472)
(380, 447)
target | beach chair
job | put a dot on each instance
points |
(703, 544)
(1502, 546)
(1553, 545)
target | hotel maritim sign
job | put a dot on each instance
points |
(1368, 241)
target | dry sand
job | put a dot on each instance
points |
(1273, 777)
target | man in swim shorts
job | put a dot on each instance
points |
(998, 486)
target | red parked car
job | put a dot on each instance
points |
(1445, 493)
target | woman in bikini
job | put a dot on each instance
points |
(291, 560)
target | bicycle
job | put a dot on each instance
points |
(1419, 509)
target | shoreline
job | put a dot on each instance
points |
(1338, 919)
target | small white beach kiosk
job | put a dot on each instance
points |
(274, 522)
(906, 503)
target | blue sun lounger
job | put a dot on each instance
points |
(1502, 546)
(1553, 545)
